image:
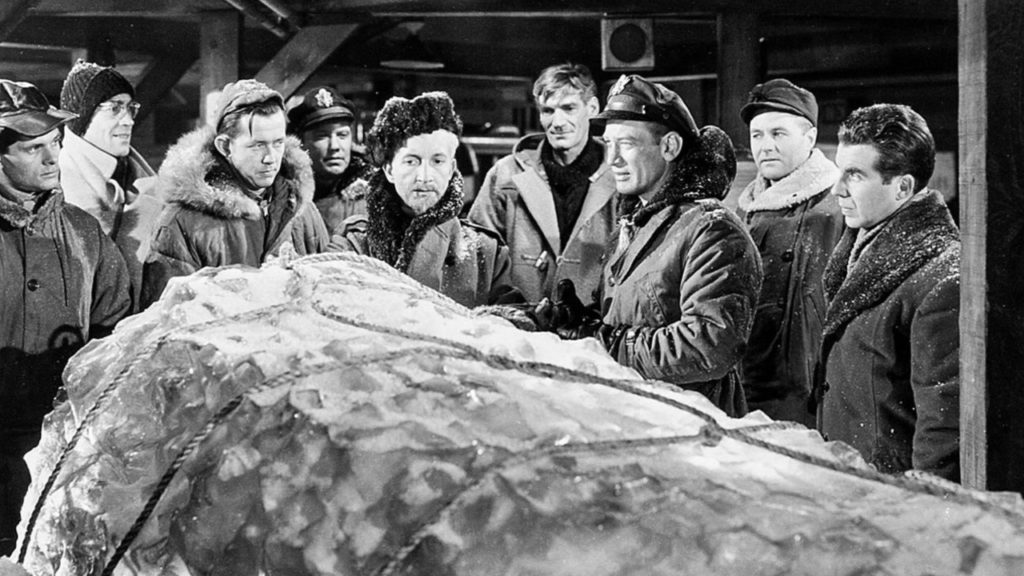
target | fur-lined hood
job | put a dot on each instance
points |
(17, 216)
(816, 175)
(702, 172)
(195, 175)
(919, 233)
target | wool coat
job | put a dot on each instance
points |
(795, 224)
(129, 215)
(684, 277)
(465, 262)
(64, 282)
(891, 347)
(516, 201)
(345, 196)
(210, 220)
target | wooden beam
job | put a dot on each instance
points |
(158, 79)
(739, 69)
(219, 35)
(12, 13)
(302, 55)
(991, 125)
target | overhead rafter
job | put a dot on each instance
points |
(302, 55)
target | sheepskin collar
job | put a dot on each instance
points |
(918, 233)
(17, 216)
(704, 172)
(392, 236)
(815, 176)
(196, 176)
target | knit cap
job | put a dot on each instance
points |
(242, 94)
(87, 86)
(401, 119)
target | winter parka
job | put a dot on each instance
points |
(467, 263)
(209, 220)
(891, 348)
(64, 282)
(795, 224)
(345, 196)
(516, 201)
(684, 277)
(129, 216)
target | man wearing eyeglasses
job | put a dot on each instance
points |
(100, 171)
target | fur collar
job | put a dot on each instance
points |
(194, 175)
(918, 233)
(703, 171)
(17, 216)
(813, 177)
(391, 235)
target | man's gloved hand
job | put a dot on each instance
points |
(566, 312)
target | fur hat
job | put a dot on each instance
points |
(87, 86)
(780, 95)
(401, 119)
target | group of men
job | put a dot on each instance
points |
(829, 297)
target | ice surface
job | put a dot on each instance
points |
(332, 416)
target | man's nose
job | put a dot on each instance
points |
(51, 154)
(334, 143)
(839, 189)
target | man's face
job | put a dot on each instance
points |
(31, 165)
(864, 196)
(780, 143)
(110, 131)
(422, 168)
(635, 155)
(566, 118)
(329, 144)
(256, 154)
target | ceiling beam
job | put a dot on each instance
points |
(302, 55)
(158, 79)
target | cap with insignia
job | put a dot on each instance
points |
(320, 104)
(637, 98)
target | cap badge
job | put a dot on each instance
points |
(619, 86)
(324, 98)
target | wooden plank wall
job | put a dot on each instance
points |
(991, 126)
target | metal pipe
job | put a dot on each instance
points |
(246, 8)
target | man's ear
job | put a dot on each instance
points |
(905, 187)
(388, 174)
(671, 146)
(593, 106)
(812, 134)
(222, 142)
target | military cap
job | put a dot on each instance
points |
(318, 105)
(636, 98)
(780, 95)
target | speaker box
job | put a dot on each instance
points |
(627, 44)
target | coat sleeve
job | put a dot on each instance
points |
(935, 379)
(111, 290)
(721, 279)
(170, 255)
(502, 291)
(315, 235)
(489, 208)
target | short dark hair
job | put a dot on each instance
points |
(231, 123)
(557, 77)
(905, 144)
(8, 137)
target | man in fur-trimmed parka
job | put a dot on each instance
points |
(413, 207)
(795, 223)
(891, 349)
(680, 286)
(236, 192)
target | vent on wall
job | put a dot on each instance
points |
(627, 44)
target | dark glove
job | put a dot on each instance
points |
(611, 337)
(566, 313)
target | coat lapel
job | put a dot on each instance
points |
(537, 197)
(638, 246)
(596, 199)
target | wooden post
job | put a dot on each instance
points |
(219, 38)
(739, 63)
(991, 128)
(302, 55)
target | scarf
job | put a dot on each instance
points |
(816, 175)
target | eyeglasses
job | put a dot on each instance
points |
(119, 108)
